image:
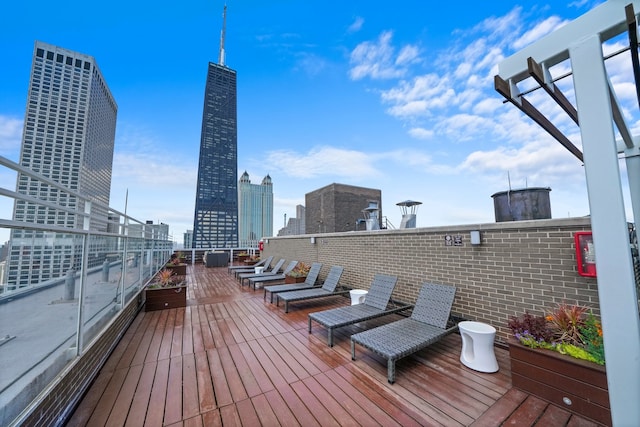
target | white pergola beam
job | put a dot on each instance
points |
(608, 20)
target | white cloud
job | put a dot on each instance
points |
(378, 59)
(540, 30)
(421, 133)
(356, 25)
(10, 135)
(323, 161)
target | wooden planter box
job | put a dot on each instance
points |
(251, 261)
(576, 385)
(161, 298)
(290, 279)
(243, 258)
(178, 270)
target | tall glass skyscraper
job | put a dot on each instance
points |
(216, 216)
(215, 223)
(68, 137)
(255, 210)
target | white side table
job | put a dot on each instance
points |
(477, 346)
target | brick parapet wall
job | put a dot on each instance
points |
(519, 266)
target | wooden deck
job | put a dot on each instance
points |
(231, 359)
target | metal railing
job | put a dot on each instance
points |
(70, 268)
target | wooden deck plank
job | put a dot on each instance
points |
(244, 370)
(206, 397)
(285, 364)
(527, 413)
(314, 392)
(140, 401)
(190, 400)
(378, 393)
(158, 333)
(105, 405)
(285, 416)
(234, 382)
(164, 352)
(230, 416)
(266, 414)
(230, 358)
(187, 332)
(260, 375)
(220, 385)
(501, 410)
(297, 407)
(247, 413)
(121, 406)
(173, 403)
(322, 414)
(355, 403)
(158, 394)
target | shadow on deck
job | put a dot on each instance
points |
(230, 358)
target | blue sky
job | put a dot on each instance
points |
(395, 96)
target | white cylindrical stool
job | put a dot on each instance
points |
(477, 346)
(258, 270)
(357, 296)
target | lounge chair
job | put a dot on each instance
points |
(274, 270)
(309, 282)
(237, 269)
(253, 281)
(427, 324)
(328, 289)
(376, 304)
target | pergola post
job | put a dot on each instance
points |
(616, 289)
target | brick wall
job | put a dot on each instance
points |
(523, 265)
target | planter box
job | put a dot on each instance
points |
(178, 270)
(161, 298)
(243, 258)
(576, 385)
(289, 279)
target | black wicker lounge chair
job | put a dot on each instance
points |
(328, 289)
(253, 281)
(427, 324)
(274, 270)
(237, 269)
(376, 304)
(309, 282)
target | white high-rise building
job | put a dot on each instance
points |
(68, 137)
(255, 210)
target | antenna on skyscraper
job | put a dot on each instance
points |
(222, 34)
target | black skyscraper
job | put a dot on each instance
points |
(216, 215)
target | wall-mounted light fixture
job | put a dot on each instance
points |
(313, 240)
(475, 237)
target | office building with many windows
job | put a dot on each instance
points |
(68, 137)
(215, 223)
(255, 210)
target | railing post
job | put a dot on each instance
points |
(105, 271)
(70, 285)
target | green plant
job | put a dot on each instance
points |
(300, 270)
(164, 279)
(566, 322)
(568, 329)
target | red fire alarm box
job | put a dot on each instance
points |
(585, 254)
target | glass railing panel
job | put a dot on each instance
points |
(39, 320)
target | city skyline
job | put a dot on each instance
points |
(398, 98)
